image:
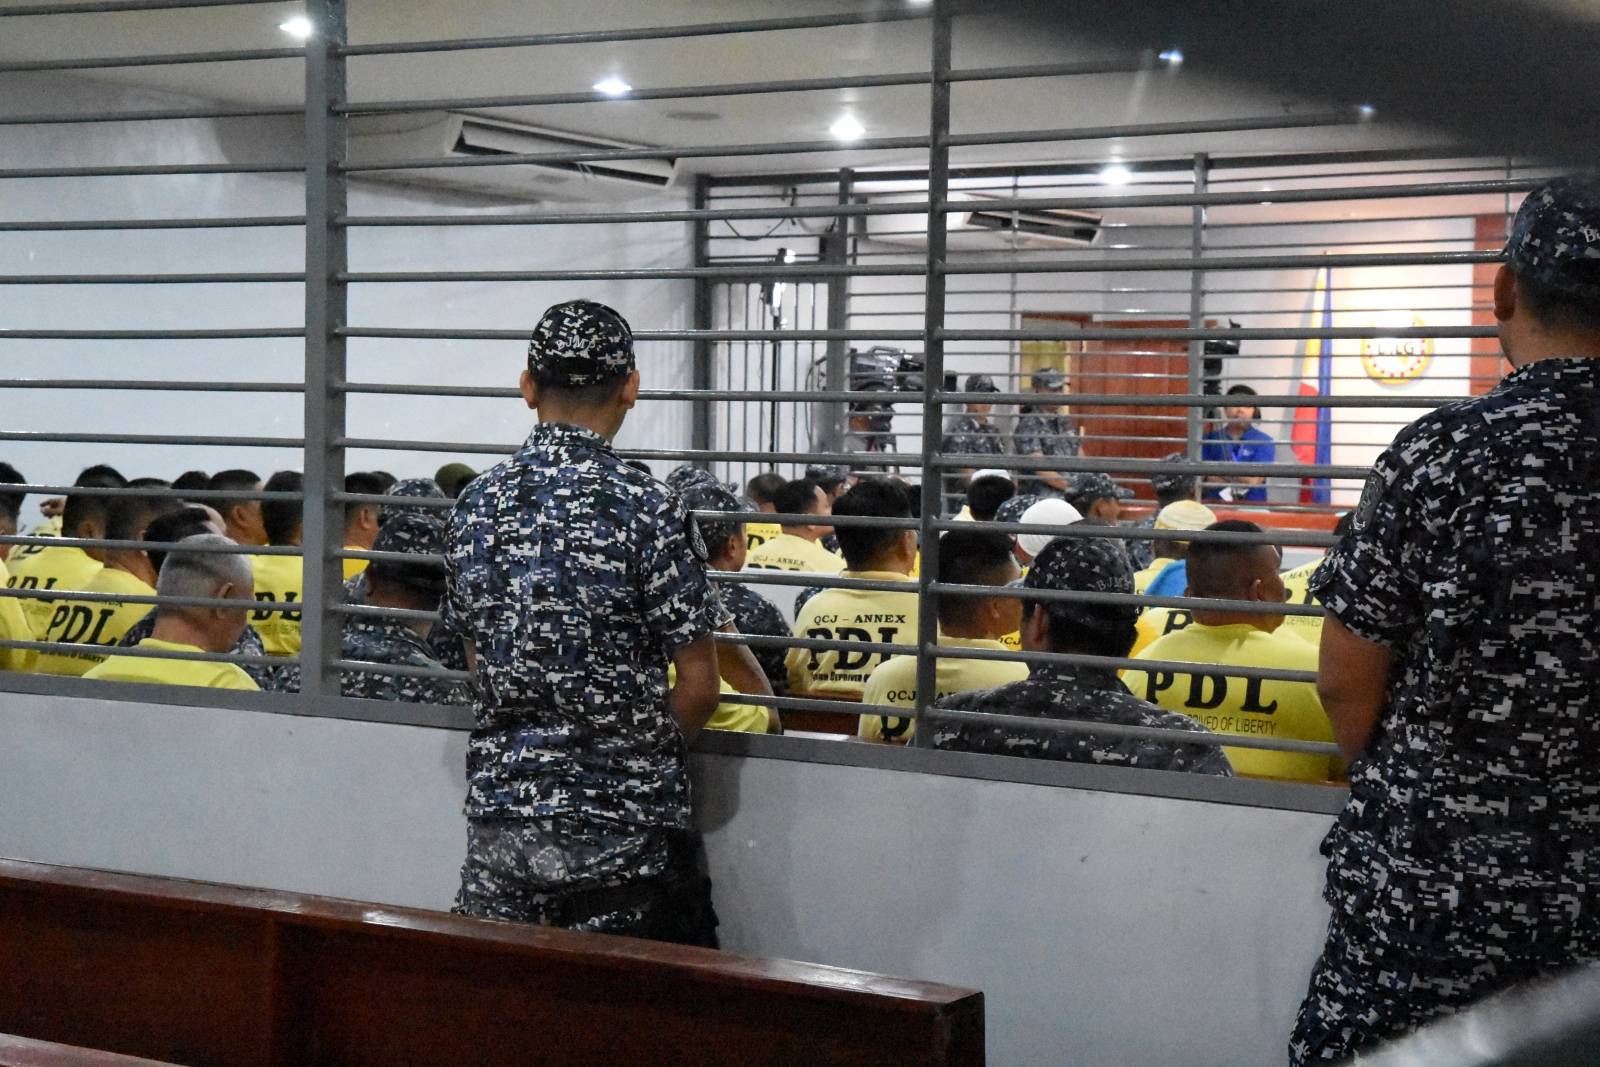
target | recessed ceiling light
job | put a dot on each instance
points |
(1171, 57)
(847, 128)
(1116, 174)
(613, 86)
(1366, 111)
(298, 27)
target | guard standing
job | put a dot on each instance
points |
(1045, 430)
(1458, 670)
(575, 580)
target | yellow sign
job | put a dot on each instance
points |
(1397, 360)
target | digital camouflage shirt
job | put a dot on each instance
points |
(393, 643)
(756, 615)
(1042, 434)
(573, 577)
(1080, 694)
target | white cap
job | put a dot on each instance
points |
(1050, 512)
(990, 472)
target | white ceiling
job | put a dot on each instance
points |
(1155, 95)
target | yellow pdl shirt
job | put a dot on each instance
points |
(895, 682)
(47, 528)
(1295, 581)
(850, 615)
(757, 534)
(206, 673)
(353, 567)
(56, 567)
(13, 627)
(737, 718)
(84, 622)
(786, 552)
(1156, 623)
(1252, 706)
(279, 578)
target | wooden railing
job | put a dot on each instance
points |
(196, 973)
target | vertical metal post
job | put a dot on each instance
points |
(933, 359)
(1197, 309)
(836, 252)
(700, 423)
(324, 351)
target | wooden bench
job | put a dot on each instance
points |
(197, 973)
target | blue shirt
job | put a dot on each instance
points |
(1254, 447)
(1172, 581)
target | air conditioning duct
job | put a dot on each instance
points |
(452, 135)
(973, 227)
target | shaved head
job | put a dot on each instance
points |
(1237, 571)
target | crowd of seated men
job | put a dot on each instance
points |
(185, 644)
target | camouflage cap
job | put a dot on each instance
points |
(1011, 510)
(1049, 378)
(713, 496)
(1169, 484)
(682, 479)
(1555, 240)
(826, 476)
(411, 487)
(981, 383)
(1092, 485)
(580, 343)
(414, 532)
(1084, 565)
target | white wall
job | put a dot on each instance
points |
(1102, 928)
(648, 305)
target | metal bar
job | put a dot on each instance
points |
(150, 493)
(148, 335)
(167, 60)
(774, 148)
(933, 301)
(95, 7)
(149, 279)
(65, 225)
(144, 169)
(151, 385)
(1197, 301)
(1302, 262)
(59, 118)
(150, 439)
(1349, 117)
(1154, 733)
(696, 334)
(153, 601)
(690, 92)
(703, 412)
(586, 218)
(836, 252)
(1278, 196)
(648, 33)
(326, 311)
(145, 653)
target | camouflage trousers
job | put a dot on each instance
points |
(564, 872)
(1365, 990)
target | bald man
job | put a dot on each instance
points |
(1228, 638)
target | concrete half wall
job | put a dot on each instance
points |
(1104, 928)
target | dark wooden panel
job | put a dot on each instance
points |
(205, 974)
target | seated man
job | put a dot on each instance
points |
(1070, 691)
(66, 566)
(763, 493)
(1297, 584)
(1047, 511)
(1169, 489)
(1230, 704)
(209, 575)
(966, 557)
(884, 555)
(240, 511)
(798, 548)
(987, 490)
(361, 520)
(10, 506)
(280, 579)
(394, 642)
(1168, 573)
(126, 571)
(752, 613)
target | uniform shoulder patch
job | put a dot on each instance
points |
(1371, 493)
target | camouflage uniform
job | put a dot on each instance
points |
(1168, 487)
(969, 437)
(424, 488)
(1074, 692)
(393, 642)
(1041, 434)
(1468, 856)
(575, 576)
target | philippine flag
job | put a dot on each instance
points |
(1312, 434)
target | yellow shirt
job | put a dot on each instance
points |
(56, 567)
(1252, 706)
(850, 615)
(279, 578)
(87, 622)
(47, 528)
(13, 627)
(1155, 623)
(757, 534)
(786, 552)
(737, 718)
(206, 673)
(1307, 626)
(895, 682)
(353, 567)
